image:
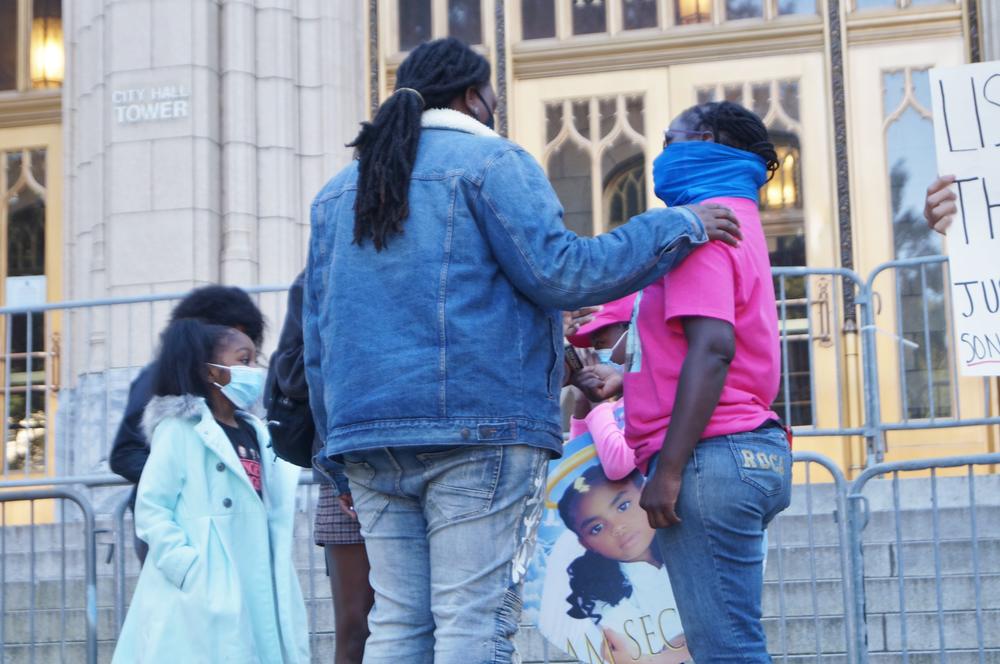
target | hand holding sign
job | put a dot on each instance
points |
(941, 204)
(967, 133)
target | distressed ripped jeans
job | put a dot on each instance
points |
(449, 532)
(732, 487)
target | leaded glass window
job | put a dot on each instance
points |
(23, 365)
(638, 14)
(538, 19)
(595, 159)
(589, 16)
(465, 20)
(776, 102)
(414, 23)
(922, 319)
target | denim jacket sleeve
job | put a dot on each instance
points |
(332, 473)
(522, 219)
(316, 265)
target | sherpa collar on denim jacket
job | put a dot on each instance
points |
(446, 118)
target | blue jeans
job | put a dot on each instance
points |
(449, 533)
(732, 487)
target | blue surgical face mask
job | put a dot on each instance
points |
(604, 354)
(245, 387)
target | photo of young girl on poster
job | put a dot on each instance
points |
(597, 581)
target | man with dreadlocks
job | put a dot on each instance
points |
(700, 382)
(438, 267)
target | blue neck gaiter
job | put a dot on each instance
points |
(693, 171)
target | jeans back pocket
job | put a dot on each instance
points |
(762, 465)
(461, 482)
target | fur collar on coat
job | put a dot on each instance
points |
(158, 409)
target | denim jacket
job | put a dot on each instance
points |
(452, 335)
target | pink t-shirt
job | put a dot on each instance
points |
(715, 281)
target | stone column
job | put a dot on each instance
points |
(162, 158)
(197, 134)
(331, 87)
(144, 203)
(142, 107)
(239, 141)
(278, 128)
(989, 27)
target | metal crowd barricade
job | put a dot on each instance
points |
(875, 583)
(49, 630)
(74, 361)
(807, 591)
(810, 313)
(939, 545)
(119, 556)
(808, 595)
(927, 375)
(871, 567)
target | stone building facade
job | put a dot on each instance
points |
(151, 146)
(197, 133)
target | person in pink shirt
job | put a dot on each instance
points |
(702, 370)
(605, 333)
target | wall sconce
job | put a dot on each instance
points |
(782, 192)
(48, 56)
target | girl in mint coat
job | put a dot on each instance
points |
(217, 509)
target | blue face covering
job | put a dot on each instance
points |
(604, 357)
(693, 171)
(604, 354)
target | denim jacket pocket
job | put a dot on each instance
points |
(759, 465)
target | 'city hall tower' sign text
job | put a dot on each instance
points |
(152, 104)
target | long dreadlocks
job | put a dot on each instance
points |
(430, 77)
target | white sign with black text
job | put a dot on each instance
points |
(967, 134)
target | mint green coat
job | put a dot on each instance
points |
(219, 583)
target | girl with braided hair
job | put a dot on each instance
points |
(438, 268)
(700, 382)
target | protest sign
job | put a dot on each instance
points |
(967, 135)
(596, 587)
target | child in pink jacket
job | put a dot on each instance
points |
(605, 421)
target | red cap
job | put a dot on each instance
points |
(618, 311)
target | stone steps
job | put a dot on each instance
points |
(791, 563)
(530, 645)
(922, 630)
(797, 643)
(808, 549)
(53, 626)
(915, 558)
(802, 635)
(882, 594)
(793, 528)
(822, 528)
